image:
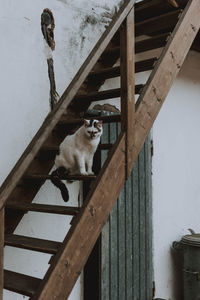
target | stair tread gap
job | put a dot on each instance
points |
(31, 243)
(158, 23)
(149, 9)
(44, 208)
(103, 95)
(105, 119)
(151, 43)
(140, 66)
(20, 283)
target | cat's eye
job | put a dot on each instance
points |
(89, 132)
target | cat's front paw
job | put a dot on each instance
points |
(90, 173)
(83, 173)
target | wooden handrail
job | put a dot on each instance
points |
(52, 119)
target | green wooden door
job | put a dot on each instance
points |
(126, 240)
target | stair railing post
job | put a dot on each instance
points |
(1, 250)
(127, 70)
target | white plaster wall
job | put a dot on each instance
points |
(176, 166)
(25, 101)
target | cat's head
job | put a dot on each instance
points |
(93, 128)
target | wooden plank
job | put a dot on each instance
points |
(53, 117)
(34, 244)
(135, 228)
(106, 248)
(113, 72)
(121, 260)
(127, 65)
(158, 23)
(20, 283)
(106, 119)
(113, 230)
(103, 95)
(95, 211)
(151, 43)
(1, 251)
(29, 178)
(105, 267)
(145, 10)
(44, 208)
(142, 225)
(158, 41)
(149, 229)
(165, 72)
(129, 239)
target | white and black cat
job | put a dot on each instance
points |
(76, 154)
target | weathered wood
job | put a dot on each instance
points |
(1, 251)
(103, 95)
(20, 283)
(44, 208)
(30, 178)
(53, 117)
(86, 228)
(107, 73)
(127, 65)
(149, 9)
(155, 42)
(166, 70)
(144, 45)
(106, 119)
(34, 244)
(157, 24)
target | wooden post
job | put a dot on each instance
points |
(127, 70)
(1, 251)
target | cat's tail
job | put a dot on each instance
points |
(55, 179)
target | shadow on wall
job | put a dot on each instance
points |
(191, 68)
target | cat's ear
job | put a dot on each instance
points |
(86, 123)
(99, 124)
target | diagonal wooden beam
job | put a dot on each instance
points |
(127, 70)
(70, 260)
(165, 72)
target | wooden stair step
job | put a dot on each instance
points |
(157, 24)
(20, 283)
(103, 95)
(64, 122)
(41, 177)
(155, 42)
(44, 208)
(30, 243)
(149, 9)
(107, 73)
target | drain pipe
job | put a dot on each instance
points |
(47, 27)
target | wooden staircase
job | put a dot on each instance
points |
(155, 24)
